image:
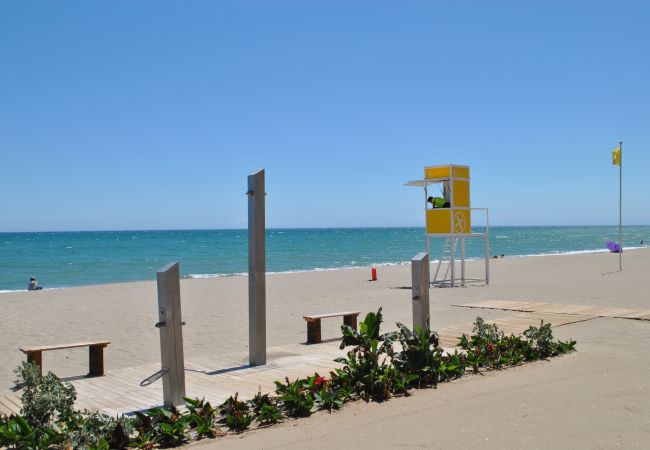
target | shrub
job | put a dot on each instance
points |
(295, 397)
(365, 367)
(542, 343)
(265, 409)
(419, 361)
(45, 399)
(201, 418)
(164, 426)
(86, 429)
(236, 414)
(326, 395)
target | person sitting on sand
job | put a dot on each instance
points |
(33, 285)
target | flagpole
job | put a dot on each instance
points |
(620, 206)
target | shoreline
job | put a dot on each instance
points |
(327, 269)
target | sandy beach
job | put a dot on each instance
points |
(595, 398)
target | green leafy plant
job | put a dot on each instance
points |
(295, 397)
(202, 417)
(326, 396)
(542, 342)
(265, 409)
(366, 369)
(45, 399)
(420, 358)
(164, 426)
(86, 429)
(236, 414)
(18, 433)
(452, 366)
(268, 415)
(489, 347)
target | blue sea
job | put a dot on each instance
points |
(64, 259)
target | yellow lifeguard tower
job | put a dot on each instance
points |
(449, 216)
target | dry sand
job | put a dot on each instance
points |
(598, 397)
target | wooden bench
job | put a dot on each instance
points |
(95, 355)
(313, 324)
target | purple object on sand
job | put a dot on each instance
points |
(614, 247)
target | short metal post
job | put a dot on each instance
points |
(420, 289)
(256, 270)
(171, 334)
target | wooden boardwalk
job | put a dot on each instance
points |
(562, 309)
(217, 377)
(516, 324)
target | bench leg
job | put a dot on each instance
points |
(351, 321)
(96, 360)
(313, 332)
(36, 358)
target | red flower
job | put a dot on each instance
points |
(490, 347)
(320, 381)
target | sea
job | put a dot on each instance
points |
(67, 259)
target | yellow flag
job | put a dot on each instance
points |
(616, 156)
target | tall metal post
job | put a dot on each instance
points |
(620, 207)
(420, 289)
(171, 334)
(487, 247)
(426, 207)
(256, 270)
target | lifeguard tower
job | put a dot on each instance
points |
(448, 215)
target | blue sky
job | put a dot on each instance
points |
(151, 114)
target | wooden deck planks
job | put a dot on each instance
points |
(558, 308)
(517, 324)
(10, 405)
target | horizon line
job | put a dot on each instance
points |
(308, 228)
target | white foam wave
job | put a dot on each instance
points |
(401, 263)
(215, 275)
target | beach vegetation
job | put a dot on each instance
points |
(367, 368)
(87, 429)
(269, 415)
(236, 414)
(265, 409)
(296, 396)
(452, 366)
(19, 434)
(326, 397)
(542, 342)
(372, 370)
(45, 399)
(166, 427)
(418, 363)
(489, 347)
(202, 418)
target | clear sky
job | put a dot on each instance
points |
(151, 114)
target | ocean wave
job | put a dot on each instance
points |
(214, 275)
(8, 291)
(401, 263)
(572, 252)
